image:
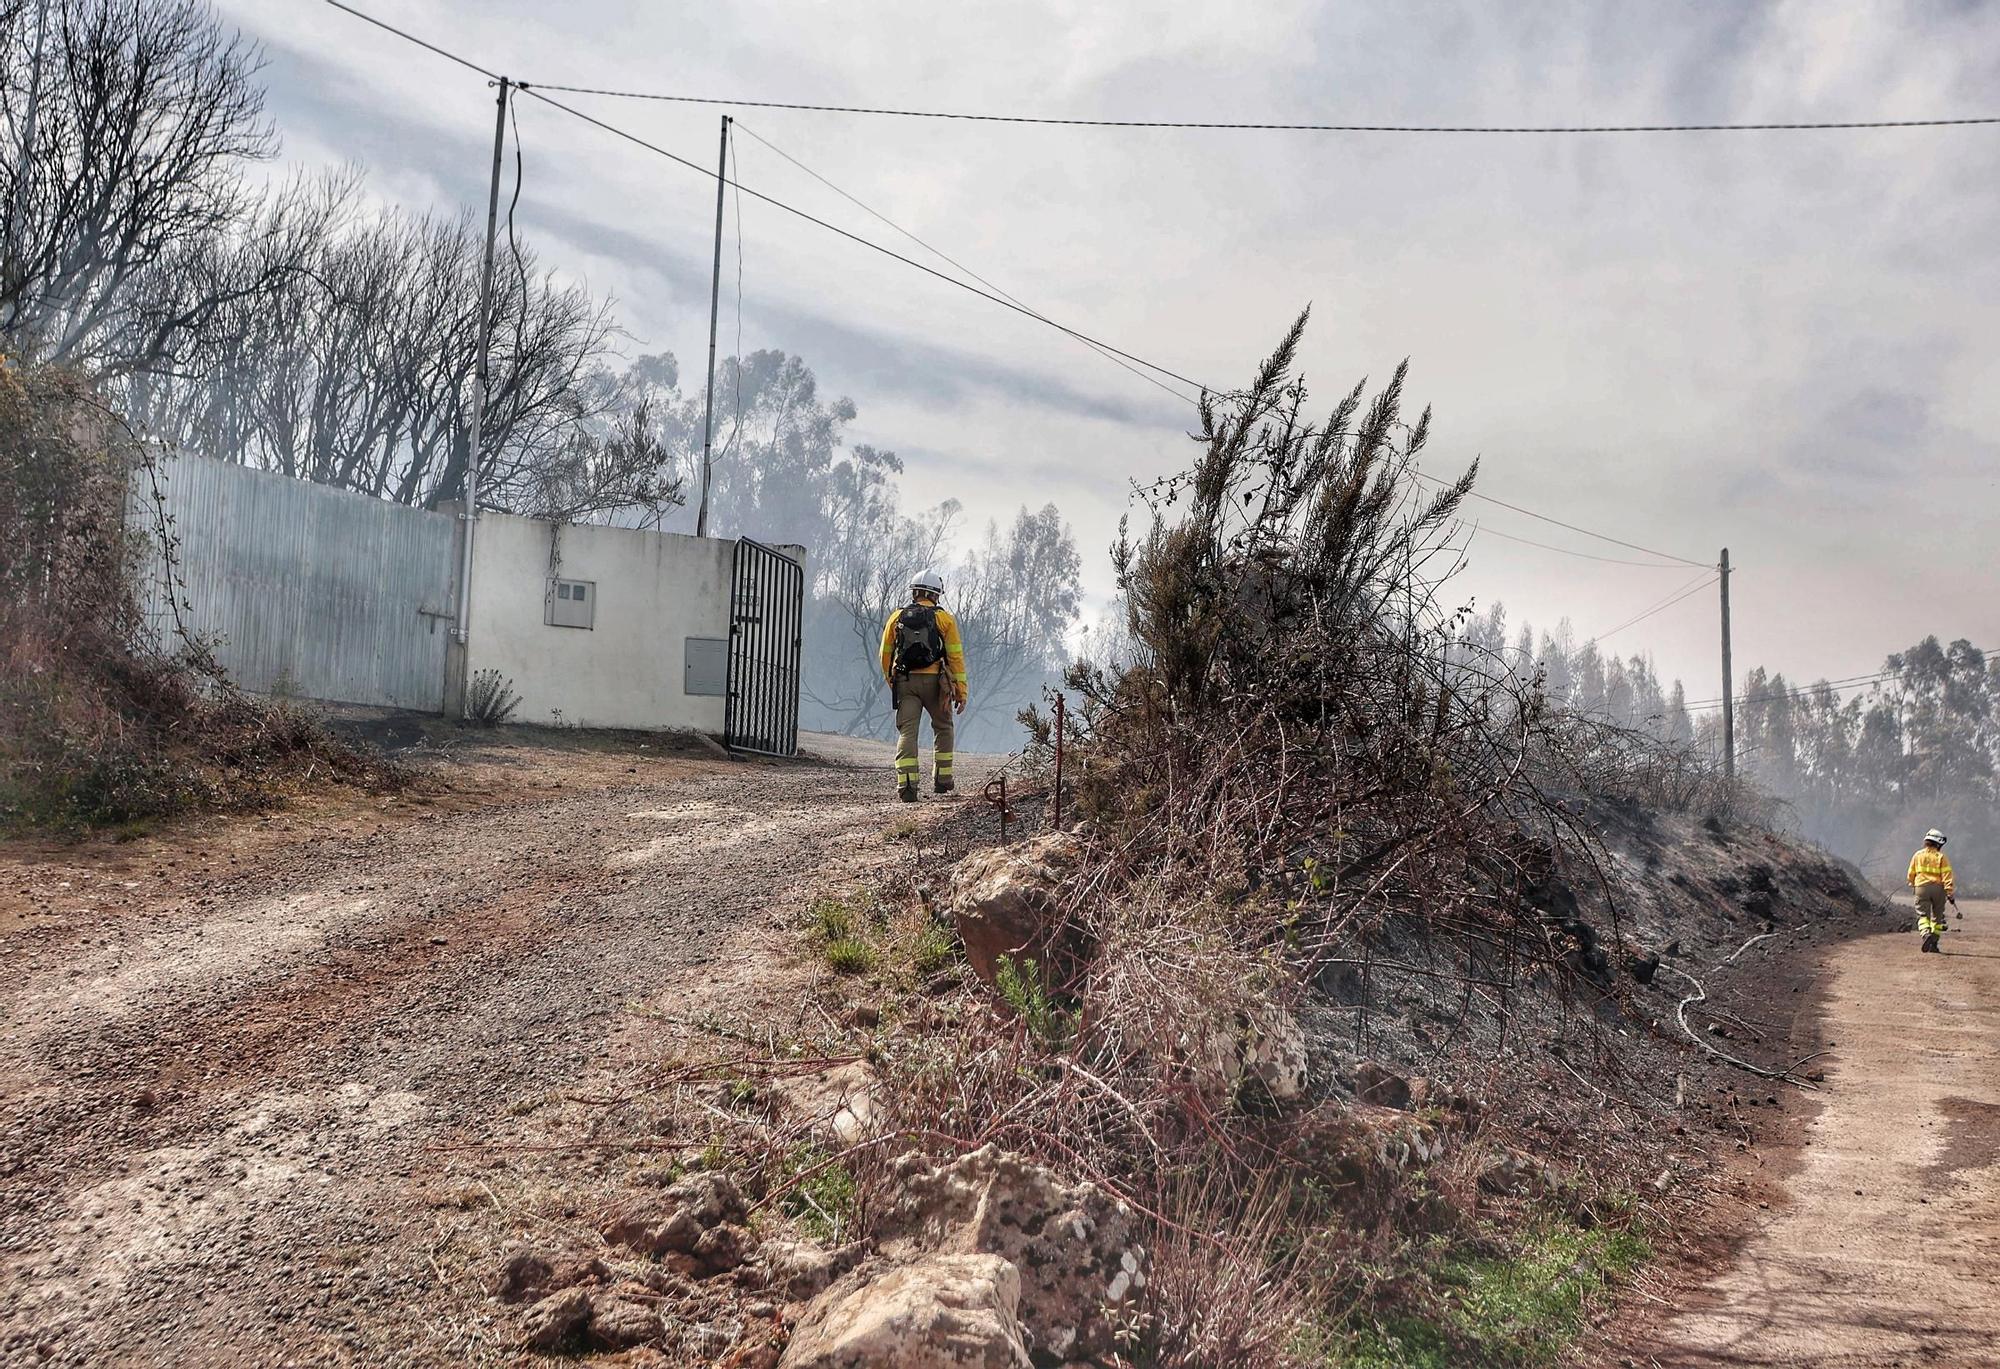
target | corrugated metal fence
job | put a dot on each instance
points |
(305, 589)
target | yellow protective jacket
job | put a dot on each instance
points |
(954, 650)
(1929, 866)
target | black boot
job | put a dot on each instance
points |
(908, 789)
(1930, 941)
(943, 784)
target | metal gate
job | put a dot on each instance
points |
(766, 608)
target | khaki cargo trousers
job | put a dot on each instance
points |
(917, 695)
(1930, 909)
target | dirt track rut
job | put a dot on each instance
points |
(1887, 1250)
(219, 1107)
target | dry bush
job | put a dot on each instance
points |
(97, 725)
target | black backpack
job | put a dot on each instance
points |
(919, 642)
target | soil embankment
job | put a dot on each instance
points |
(1883, 1246)
(251, 1072)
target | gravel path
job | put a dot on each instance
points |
(1886, 1248)
(225, 1081)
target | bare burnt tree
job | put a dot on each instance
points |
(123, 215)
(357, 368)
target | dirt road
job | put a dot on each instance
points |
(1886, 1249)
(229, 1064)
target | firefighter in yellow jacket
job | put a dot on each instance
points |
(923, 661)
(1930, 876)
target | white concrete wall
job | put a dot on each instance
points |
(654, 590)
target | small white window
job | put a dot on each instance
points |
(571, 603)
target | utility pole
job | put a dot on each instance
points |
(469, 515)
(714, 300)
(1728, 681)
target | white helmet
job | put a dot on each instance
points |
(931, 582)
(1934, 836)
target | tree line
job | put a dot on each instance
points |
(299, 328)
(1864, 769)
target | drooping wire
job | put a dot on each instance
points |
(1481, 530)
(1700, 582)
(869, 243)
(1268, 126)
(1542, 517)
(992, 295)
(946, 257)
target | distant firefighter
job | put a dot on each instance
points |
(923, 661)
(1930, 876)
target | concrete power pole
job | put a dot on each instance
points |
(714, 300)
(1728, 681)
(469, 515)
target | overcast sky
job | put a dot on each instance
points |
(1784, 343)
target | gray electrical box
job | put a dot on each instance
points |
(707, 666)
(572, 603)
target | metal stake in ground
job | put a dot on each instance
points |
(714, 302)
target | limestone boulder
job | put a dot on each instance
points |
(1007, 901)
(944, 1311)
(1074, 1247)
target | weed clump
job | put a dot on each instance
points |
(105, 718)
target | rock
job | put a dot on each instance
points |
(761, 1344)
(723, 1246)
(675, 1221)
(1006, 900)
(1373, 1084)
(618, 1323)
(557, 1321)
(652, 1226)
(710, 1198)
(796, 1271)
(1509, 1171)
(1274, 1054)
(866, 1016)
(945, 1311)
(840, 1102)
(524, 1273)
(1073, 1245)
(1643, 968)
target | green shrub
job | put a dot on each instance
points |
(1022, 989)
(1520, 1309)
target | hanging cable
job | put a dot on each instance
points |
(1272, 127)
(1542, 517)
(991, 294)
(1481, 530)
(953, 261)
(1700, 582)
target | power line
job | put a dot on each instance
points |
(1741, 699)
(1846, 682)
(1481, 530)
(1699, 583)
(1602, 537)
(872, 245)
(993, 295)
(529, 89)
(953, 261)
(412, 38)
(1266, 126)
